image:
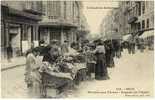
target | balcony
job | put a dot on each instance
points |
(15, 12)
(58, 22)
(132, 19)
(33, 8)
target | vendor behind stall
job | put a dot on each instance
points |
(55, 50)
(90, 60)
(65, 47)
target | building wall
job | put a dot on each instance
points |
(63, 17)
(142, 10)
(19, 24)
(23, 5)
(147, 15)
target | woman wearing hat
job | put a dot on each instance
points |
(100, 69)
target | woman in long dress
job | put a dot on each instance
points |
(101, 68)
(32, 76)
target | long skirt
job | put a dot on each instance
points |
(107, 56)
(34, 90)
(100, 69)
(90, 68)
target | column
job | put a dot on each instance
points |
(6, 33)
(37, 32)
(48, 36)
(2, 40)
(62, 36)
(29, 35)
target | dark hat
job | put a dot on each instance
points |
(41, 41)
(66, 41)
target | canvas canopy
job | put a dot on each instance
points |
(147, 34)
(127, 37)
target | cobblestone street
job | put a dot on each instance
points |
(130, 72)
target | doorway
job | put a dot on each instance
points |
(14, 39)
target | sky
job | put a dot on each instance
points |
(95, 11)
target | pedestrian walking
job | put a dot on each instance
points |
(142, 47)
(100, 68)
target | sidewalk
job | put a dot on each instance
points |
(15, 62)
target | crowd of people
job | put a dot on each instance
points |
(98, 55)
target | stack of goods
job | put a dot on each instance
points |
(80, 58)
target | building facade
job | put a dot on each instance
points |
(61, 21)
(110, 25)
(132, 17)
(19, 25)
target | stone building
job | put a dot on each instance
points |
(19, 25)
(83, 30)
(61, 21)
(141, 20)
(109, 26)
(132, 17)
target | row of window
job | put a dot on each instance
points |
(144, 24)
(34, 5)
(53, 9)
(141, 7)
(138, 9)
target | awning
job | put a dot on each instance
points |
(132, 20)
(147, 34)
(127, 37)
(24, 14)
(114, 36)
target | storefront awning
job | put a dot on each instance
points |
(132, 19)
(126, 37)
(114, 36)
(147, 34)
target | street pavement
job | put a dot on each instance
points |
(15, 62)
(131, 72)
(131, 77)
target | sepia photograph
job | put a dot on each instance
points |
(77, 49)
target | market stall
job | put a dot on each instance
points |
(64, 73)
